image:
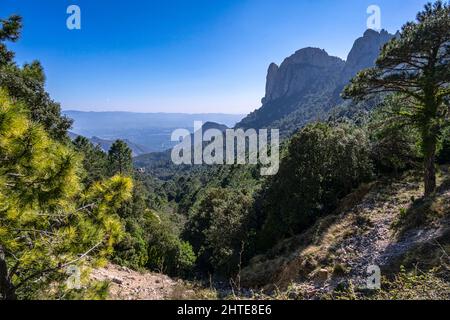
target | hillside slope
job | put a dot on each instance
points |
(380, 224)
(385, 223)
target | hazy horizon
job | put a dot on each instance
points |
(151, 112)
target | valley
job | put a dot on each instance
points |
(146, 132)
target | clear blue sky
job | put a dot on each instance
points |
(183, 56)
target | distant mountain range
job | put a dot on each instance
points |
(105, 145)
(307, 85)
(147, 131)
(160, 164)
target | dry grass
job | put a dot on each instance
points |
(425, 211)
(288, 269)
(192, 291)
(302, 256)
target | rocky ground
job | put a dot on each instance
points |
(126, 284)
(381, 224)
(371, 235)
(383, 243)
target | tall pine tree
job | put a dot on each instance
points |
(416, 65)
(120, 158)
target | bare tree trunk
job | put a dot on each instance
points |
(7, 289)
(430, 170)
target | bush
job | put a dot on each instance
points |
(323, 164)
(151, 241)
(132, 250)
(218, 229)
(166, 252)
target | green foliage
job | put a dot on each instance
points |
(444, 152)
(218, 229)
(415, 65)
(405, 285)
(132, 250)
(94, 160)
(415, 285)
(27, 84)
(151, 240)
(166, 252)
(324, 164)
(120, 158)
(46, 222)
(10, 30)
(393, 142)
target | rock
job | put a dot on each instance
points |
(306, 67)
(321, 275)
(364, 52)
(117, 280)
(270, 81)
(310, 80)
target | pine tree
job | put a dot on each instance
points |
(95, 161)
(416, 66)
(120, 158)
(47, 222)
(9, 31)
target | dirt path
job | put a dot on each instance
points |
(363, 235)
(127, 284)
(381, 245)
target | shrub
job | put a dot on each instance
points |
(323, 164)
(218, 228)
(166, 252)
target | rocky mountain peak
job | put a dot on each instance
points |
(364, 52)
(312, 56)
(298, 71)
(308, 83)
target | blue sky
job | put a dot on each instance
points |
(183, 56)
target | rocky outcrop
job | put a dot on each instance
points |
(271, 81)
(307, 85)
(305, 68)
(364, 53)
